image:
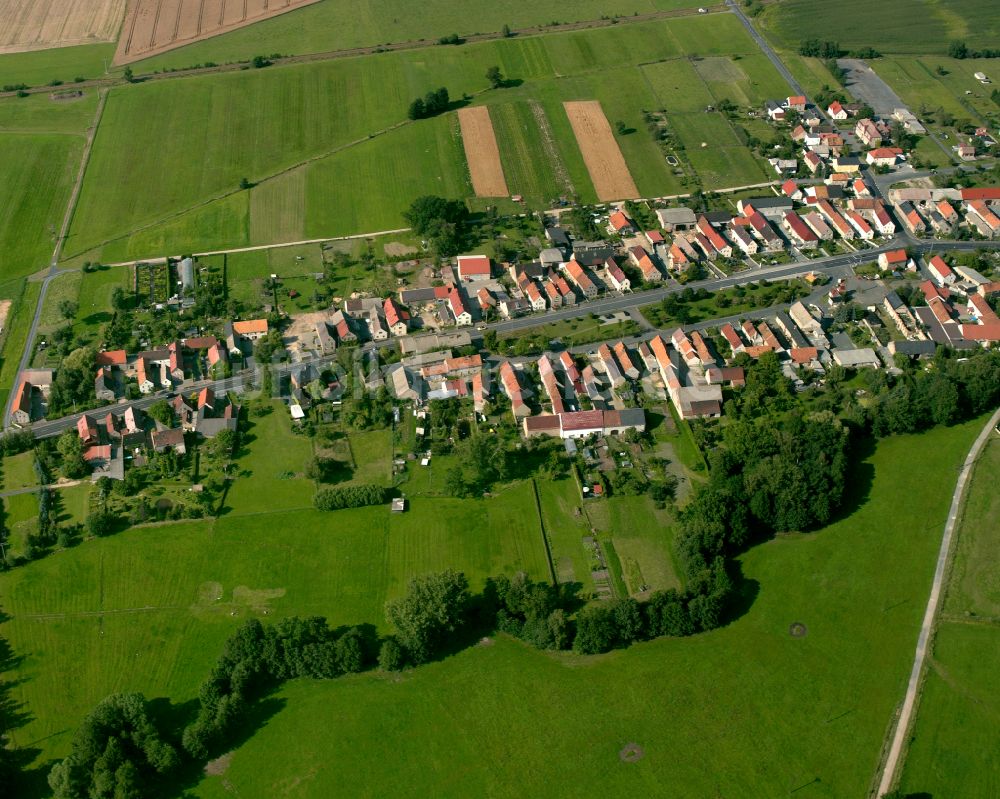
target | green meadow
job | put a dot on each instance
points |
(330, 151)
(753, 710)
(40, 67)
(950, 750)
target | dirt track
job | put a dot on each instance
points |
(605, 162)
(482, 152)
(40, 24)
(156, 26)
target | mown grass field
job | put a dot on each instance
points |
(36, 173)
(895, 26)
(950, 752)
(334, 25)
(15, 334)
(18, 471)
(331, 153)
(772, 713)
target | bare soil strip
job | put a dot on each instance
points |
(482, 152)
(41, 24)
(605, 162)
(549, 145)
(156, 26)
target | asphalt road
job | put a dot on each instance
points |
(768, 51)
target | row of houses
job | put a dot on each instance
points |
(940, 211)
(107, 438)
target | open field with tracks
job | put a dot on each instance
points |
(895, 26)
(42, 24)
(950, 751)
(297, 131)
(482, 153)
(337, 25)
(155, 26)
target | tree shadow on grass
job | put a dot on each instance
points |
(860, 475)
(191, 772)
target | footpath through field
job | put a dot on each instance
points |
(930, 615)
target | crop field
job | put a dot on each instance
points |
(42, 24)
(264, 125)
(481, 152)
(546, 717)
(156, 26)
(958, 713)
(601, 153)
(528, 151)
(895, 26)
(334, 25)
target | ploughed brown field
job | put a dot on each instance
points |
(481, 152)
(605, 162)
(156, 26)
(41, 24)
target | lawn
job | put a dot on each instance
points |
(37, 113)
(565, 526)
(271, 466)
(310, 136)
(332, 25)
(728, 302)
(950, 751)
(780, 713)
(18, 471)
(918, 83)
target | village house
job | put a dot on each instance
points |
(675, 219)
(580, 279)
(615, 277)
(836, 111)
(884, 156)
(868, 133)
(459, 311)
(473, 267)
(639, 257)
(619, 223)
(803, 237)
(940, 271)
(893, 261)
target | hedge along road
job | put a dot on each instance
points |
(930, 615)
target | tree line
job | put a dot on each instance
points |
(358, 496)
(430, 105)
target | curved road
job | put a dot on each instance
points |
(902, 729)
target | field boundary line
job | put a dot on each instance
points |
(890, 769)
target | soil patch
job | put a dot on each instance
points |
(601, 153)
(482, 152)
(632, 753)
(156, 26)
(798, 630)
(219, 766)
(395, 249)
(4, 310)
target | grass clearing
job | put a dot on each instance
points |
(15, 334)
(39, 114)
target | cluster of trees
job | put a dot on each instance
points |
(953, 391)
(430, 105)
(483, 461)
(358, 496)
(73, 384)
(959, 49)
(115, 753)
(819, 48)
(773, 474)
(257, 658)
(440, 221)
